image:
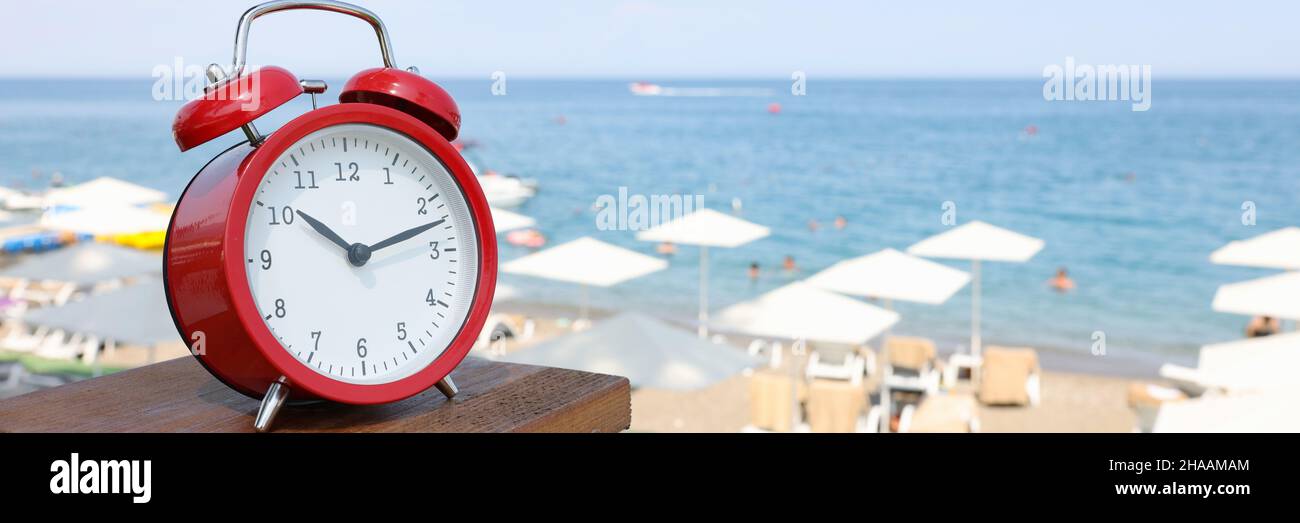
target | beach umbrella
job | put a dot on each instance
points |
(892, 275)
(505, 220)
(85, 263)
(588, 262)
(799, 311)
(103, 191)
(978, 241)
(1252, 364)
(1278, 249)
(1277, 296)
(1263, 412)
(135, 314)
(705, 228)
(649, 352)
(106, 220)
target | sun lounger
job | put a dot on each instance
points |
(1146, 399)
(842, 364)
(771, 407)
(1258, 412)
(910, 365)
(1010, 376)
(949, 413)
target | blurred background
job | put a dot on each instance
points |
(839, 130)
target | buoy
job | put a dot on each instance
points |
(774, 108)
(1031, 129)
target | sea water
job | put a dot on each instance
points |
(1132, 203)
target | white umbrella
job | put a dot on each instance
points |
(586, 261)
(978, 241)
(1269, 412)
(1277, 296)
(1278, 249)
(505, 220)
(799, 311)
(1252, 364)
(649, 352)
(103, 191)
(892, 275)
(705, 228)
(106, 220)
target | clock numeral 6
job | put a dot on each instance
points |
(401, 330)
(361, 347)
(285, 216)
(266, 259)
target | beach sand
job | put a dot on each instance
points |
(1078, 393)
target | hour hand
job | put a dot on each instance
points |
(406, 235)
(325, 231)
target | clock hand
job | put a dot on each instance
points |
(406, 235)
(325, 231)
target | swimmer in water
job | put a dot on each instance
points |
(753, 271)
(1061, 282)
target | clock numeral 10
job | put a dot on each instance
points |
(285, 216)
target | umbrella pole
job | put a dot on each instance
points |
(881, 361)
(975, 309)
(583, 305)
(704, 292)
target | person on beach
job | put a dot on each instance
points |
(666, 248)
(1262, 326)
(788, 264)
(840, 222)
(1061, 282)
(753, 271)
(813, 225)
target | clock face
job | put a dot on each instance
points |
(361, 254)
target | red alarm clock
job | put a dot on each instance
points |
(348, 256)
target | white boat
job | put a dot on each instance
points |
(645, 89)
(504, 190)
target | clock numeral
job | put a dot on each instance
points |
(401, 331)
(434, 254)
(388, 175)
(361, 348)
(285, 216)
(353, 177)
(310, 185)
(315, 336)
(423, 203)
(279, 308)
(266, 259)
(430, 299)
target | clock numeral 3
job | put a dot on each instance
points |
(434, 254)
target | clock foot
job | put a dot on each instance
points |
(447, 387)
(271, 403)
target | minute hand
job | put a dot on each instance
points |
(405, 235)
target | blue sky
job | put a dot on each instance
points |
(668, 38)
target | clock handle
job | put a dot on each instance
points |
(246, 21)
(275, 398)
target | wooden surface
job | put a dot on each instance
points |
(179, 396)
